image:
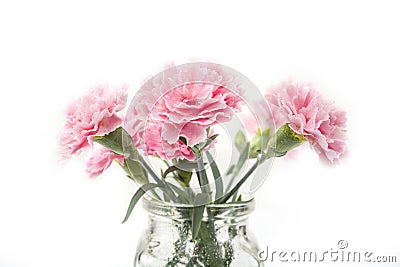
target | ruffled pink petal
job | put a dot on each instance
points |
(316, 119)
(99, 161)
(181, 105)
(91, 115)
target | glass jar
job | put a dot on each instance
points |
(223, 241)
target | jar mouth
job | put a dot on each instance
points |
(183, 211)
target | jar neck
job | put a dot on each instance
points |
(237, 211)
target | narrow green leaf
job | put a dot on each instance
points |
(198, 211)
(196, 151)
(166, 196)
(184, 164)
(182, 194)
(208, 141)
(212, 138)
(139, 193)
(169, 170)
(219, 186)
(183, 177)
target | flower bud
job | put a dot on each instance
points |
(284, 140)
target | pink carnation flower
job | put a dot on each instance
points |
(91, 115)
(179, 104)
(310, 115)
(100, 159)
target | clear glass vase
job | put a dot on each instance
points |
(223, 240)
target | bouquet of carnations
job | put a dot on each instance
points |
(168, 139)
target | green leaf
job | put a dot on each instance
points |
(183, 173)
(219, 186)
(212, 138)
(240, 141)
(183, 164)
(139, 193)
(209, 141)
(196, 151)
(198, 211)
(135, 171)
(119, 141)
(112, 141)
(182, 194)
(169, 170)
(129, 147)
(183, 177)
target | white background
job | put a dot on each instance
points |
(53, 51)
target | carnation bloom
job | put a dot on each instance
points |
(310, 115)
(180, 104)
(100, 159)
(91, 115)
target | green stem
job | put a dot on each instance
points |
(235, 196)
(244, 155)
(202, 176)
(128, 175)
(159, 181)
(219, 185)
(204, 186)
(226, 197)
